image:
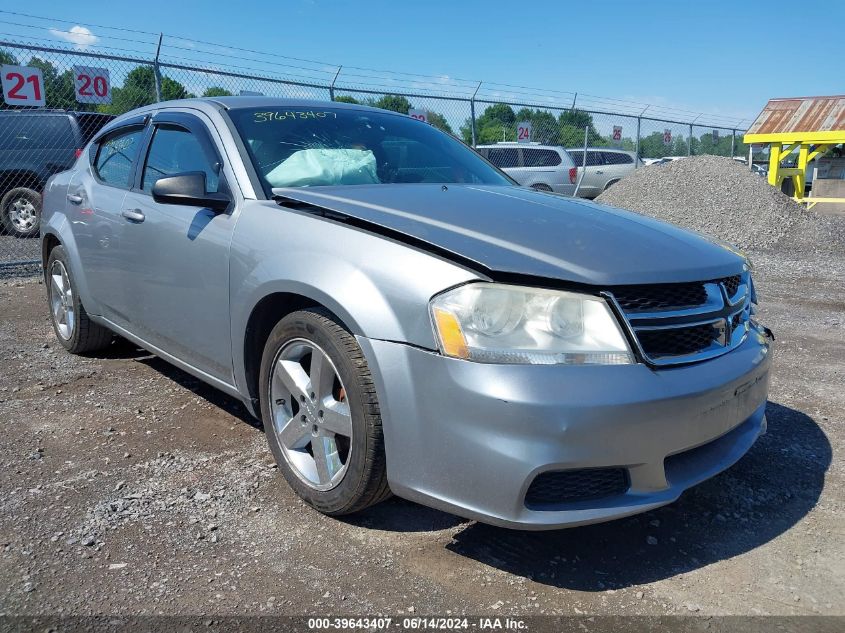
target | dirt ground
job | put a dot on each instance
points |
(128, 487)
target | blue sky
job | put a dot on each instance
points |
(711, 57)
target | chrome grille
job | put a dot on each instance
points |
(686, 322)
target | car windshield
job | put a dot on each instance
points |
(312, 146)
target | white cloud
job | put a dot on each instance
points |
(79, 36)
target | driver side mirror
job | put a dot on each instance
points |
(189, 189)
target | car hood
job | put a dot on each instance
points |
(523, 232)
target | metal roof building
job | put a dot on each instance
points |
(812, 125)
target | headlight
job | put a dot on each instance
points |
(495, 323)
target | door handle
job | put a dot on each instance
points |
(599, 172)
(74, 198)
(133, 215)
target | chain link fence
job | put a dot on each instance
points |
(78, 91)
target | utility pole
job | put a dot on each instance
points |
(331, 88)
(472, 113)
(156, 71)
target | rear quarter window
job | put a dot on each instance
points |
(593, 158)
(37, 132)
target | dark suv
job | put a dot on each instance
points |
(34, 145)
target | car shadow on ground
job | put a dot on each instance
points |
(771, 489)
(122, 349)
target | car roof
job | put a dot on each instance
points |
(531, 145)
(233, 103)
(246, 102)
(38, 111)
(599, 149)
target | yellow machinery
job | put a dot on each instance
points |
(812, 125)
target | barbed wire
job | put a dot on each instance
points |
(362, 78)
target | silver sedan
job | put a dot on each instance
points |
(402, 317)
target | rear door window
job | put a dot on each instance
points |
(116, 157)
(540, 157)
(504, 157)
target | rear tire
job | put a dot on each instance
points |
(541, 187)
(76, 332)
(323, 425)
(20, 212)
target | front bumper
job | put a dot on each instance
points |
(469, 438)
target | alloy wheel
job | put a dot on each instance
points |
(311, 415)
(61, 300)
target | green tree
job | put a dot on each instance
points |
(652, 146)
(139, 90)
(439, 121)
(705, 144)
(347, 99)
(59, 91)
(394, 103)
(680, 146)
(216, 91)
(572, 124)
(497, 123)
(7, 58)
(544, 125)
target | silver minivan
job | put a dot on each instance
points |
(541, 167)
(605, 167)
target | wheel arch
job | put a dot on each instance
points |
(48, 242)
(263, 317)
(56, 231)
(12, 179)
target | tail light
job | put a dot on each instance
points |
(78, 152)
(573, 174)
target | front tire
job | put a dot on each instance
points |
(76, 332)
(20, 211)
(321, 415)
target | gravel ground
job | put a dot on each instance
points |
(128, 487)
(14, 249)
(720, 197)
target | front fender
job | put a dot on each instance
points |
(379, 288)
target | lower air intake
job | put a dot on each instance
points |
(567, 486)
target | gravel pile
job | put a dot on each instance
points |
(720, 197)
